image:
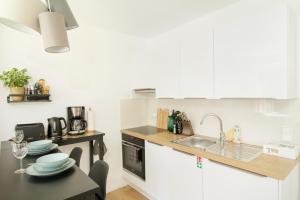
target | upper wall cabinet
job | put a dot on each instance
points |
(196, 60)
(166, 50)
(245, 50)
(184, 61)
(253, 49)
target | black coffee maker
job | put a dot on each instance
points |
(76, 124)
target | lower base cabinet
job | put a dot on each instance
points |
(225, 182)
(186, 178)
(174, 175)
(157, 173)
(220, 181)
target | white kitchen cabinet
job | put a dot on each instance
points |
(157, 175)
(253, 51)
(197, 60)
(185, 181)
(222, 181)
(167, 62)
(245, 50)
(184, 61)
(172, 175)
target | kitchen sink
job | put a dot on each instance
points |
(196, 142)
(242, 152)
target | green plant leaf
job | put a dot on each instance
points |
(15, 77)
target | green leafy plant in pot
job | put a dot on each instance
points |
(15, 79)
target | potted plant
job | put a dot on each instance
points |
(15, 79)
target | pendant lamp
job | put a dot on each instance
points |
(21, 15)
(54, 32)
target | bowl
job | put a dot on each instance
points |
(52, 160)
(40, 144)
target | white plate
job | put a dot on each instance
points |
(39, 168)
(33, 172)
(39, 144)
(53, 160)
(31, 149)
(36, 153)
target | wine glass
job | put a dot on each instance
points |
(20, 150)
(19, 136)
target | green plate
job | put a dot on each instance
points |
(40, 144)
(41, 152)
(53, 160)
(33, 172)
(50, 169)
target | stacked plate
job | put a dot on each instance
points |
(50, 165)
(40, 147)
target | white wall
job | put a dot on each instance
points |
(93, 73)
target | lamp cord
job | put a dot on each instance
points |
(49, 7)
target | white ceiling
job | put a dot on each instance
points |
(143, 18)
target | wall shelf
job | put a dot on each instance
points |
(29, 98)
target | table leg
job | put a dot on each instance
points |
(91, 149)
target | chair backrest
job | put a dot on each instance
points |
(76, 155)
(99, 173)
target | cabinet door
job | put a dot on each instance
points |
(250, 46)
(167, 56)
(156, 171)
(220, 180)
(143, 69)
(197, 77)
(185, 181)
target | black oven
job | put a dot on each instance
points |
(133, 150)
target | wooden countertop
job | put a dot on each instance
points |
(265, 165)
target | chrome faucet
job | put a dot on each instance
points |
(222, 134)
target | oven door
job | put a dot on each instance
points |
(134, 158)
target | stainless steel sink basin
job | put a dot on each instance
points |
(242, 152)
(196, 142)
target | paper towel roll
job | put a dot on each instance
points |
(90, 120)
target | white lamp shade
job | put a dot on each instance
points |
(54, 32)
(21, 15)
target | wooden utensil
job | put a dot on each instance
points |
(159, 118)
(165, 115)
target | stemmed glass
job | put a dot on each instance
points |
(20, 150)
(19, 136)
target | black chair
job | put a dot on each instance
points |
(76, 155)
(99, 173)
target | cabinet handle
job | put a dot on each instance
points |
(155, 143)
(183, 152)
(241, 170)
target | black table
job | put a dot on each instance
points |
(71, 184)
(87, 137)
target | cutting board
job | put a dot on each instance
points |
(162, 118)
(159, 118)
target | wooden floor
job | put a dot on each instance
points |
(125, 193)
